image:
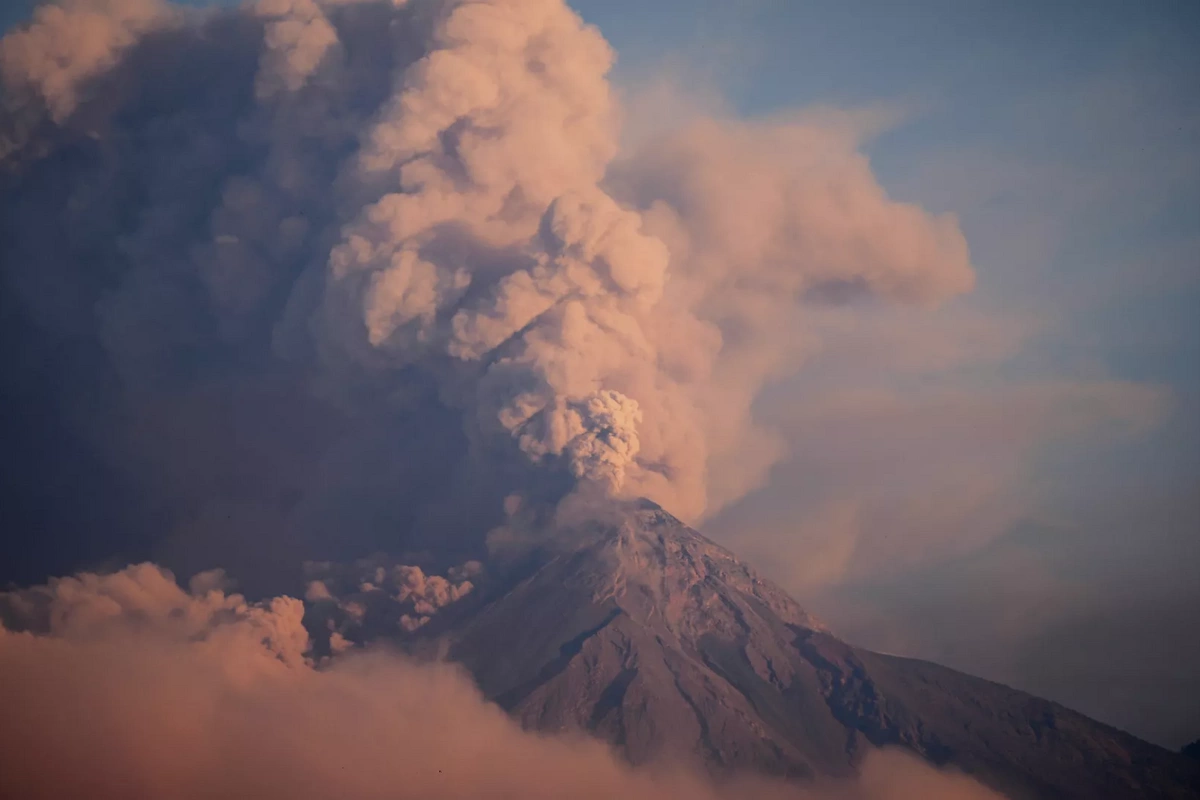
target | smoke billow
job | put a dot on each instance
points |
(373, 597)
(318, 271)
(124, 685)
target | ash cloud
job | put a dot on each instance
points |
(337, 276)
(376, 598)
(125, 685)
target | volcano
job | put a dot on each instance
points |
(636, 629)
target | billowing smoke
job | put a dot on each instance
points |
(373, 597)
(316, 271)
(125, 685)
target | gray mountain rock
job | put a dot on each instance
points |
(642, 632)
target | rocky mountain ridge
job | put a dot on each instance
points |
(637, 629)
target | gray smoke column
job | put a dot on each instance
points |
(405, 214)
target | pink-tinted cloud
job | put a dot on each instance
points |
(886, 479)
(70, 42)
(130, 687)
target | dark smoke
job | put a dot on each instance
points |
(307, 280)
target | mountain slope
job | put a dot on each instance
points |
(650, 636)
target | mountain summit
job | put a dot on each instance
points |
(636, 629)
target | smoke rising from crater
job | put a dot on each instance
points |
(305, 270)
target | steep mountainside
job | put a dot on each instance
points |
(659, 641)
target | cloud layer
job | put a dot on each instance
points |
(125, 685)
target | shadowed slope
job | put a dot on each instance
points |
(659, 641)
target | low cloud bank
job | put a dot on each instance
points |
(126, 685)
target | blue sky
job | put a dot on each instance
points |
(1022, 501)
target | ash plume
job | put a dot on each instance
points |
(312, 272)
